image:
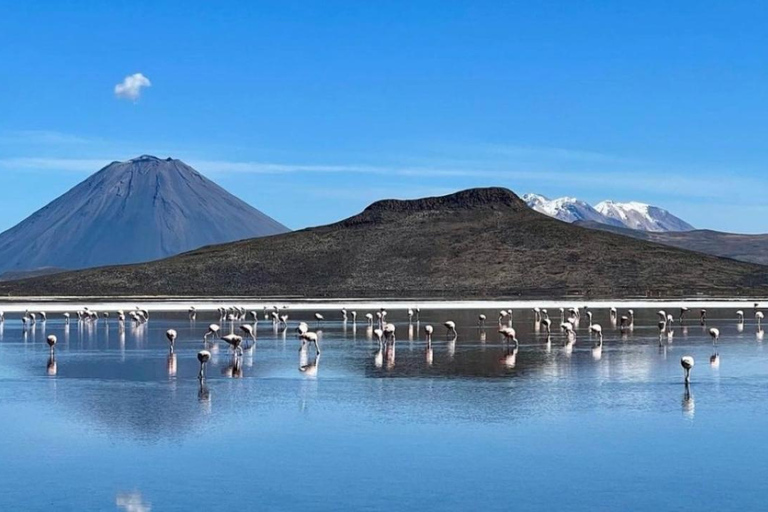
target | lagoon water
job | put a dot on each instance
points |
(115, 424)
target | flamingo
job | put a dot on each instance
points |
(66, 318)
(509, 334)
(740, 316)
(319, 318)
(546, 322)
(234, 341)
(203, 356)
(597, 329)
(213, 330)
(714, 333)
(410, 315)
(248, 331)
(481, 320)
(369, 318)
(171, 335)
(354, 316)
(687, 363)
(192, 313)
(428, 329)
(302, 328)
(51, 340)
(389, 332)
(759, 316)
(309, 337)
(683, 312)
(451, 326)
(703, 316)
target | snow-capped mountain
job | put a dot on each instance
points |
(642, 216)
(631, 215)
(568, 209)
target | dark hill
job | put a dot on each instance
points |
(128, 212)
(475, 243)
(750, 248)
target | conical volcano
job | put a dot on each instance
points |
(128, 212)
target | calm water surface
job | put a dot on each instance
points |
(116, 424)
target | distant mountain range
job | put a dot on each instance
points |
(631, 215)
(474, 243)
(129, 212)
(750, 248)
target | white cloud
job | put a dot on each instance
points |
(130, 88)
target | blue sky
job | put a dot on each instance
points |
(312, 110)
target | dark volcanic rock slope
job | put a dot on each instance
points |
(140, 210)
(475, 243)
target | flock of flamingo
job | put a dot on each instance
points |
(385, 331)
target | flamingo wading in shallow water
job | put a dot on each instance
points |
(687, 363)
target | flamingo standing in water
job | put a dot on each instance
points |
(51, 340)
(451, 326)
(302, 328)
(171, 335)
(309, 337)
(509, 334)
(389, 332)
(597, 329)
(687, 363)
(714, 333)
(203, 356)
(248, 331)
(546, 322)
(319, 318)
(683, 312)
(703, 316)
(481, 320)
(213, 330)
(759, 316)
(234, 341)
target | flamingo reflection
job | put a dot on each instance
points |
(51, 367)
(308, 366)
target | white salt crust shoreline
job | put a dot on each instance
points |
(62, 304)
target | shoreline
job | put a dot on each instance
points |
(62, 304)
